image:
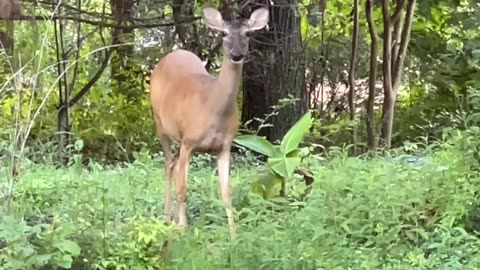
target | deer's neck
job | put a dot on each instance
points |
(228, 83)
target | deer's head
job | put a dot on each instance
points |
(235, 33)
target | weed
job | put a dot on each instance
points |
(376, 213)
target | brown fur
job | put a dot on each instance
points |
(194, 118)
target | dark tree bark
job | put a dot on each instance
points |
(6, 40)
(353, 61)
(322, 4)
(372, 77)
(275, 69)
(9, 10)
(394, 52)
(63, 114)
(351, 73)
(186, 33)
(124, 70)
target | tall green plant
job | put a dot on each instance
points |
(283, 159)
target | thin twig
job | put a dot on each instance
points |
(397, 71)
(98, 74)
(103, 24)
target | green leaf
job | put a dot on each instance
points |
(436, 246)
(284, 166)
(68, 246)
(267, 184)
(279, 200)
(304, 25)
(294, 153)
(65, 261)
(294, 136)
(78, 145)
(40, 260)
(298, 203)
(476, 54)
(257, 144)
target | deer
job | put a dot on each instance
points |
(199, 111)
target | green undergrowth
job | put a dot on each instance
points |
(375, 213)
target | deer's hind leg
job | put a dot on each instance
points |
(170, 161)
(181, 175)
(165, 142)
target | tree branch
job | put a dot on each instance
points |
(389, 94)
(397, 29)
(403, 44)
(372, 76)
(351, 73)
(77, 54)
(101, 23)
(177, 7)
(398, 11)
(103, 66)
(93, 80)
(102, 15)
(387, 53)
(68, 7)
(353, 61)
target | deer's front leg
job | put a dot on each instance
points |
(223, 164)
(181, 175)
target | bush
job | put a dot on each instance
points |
(360, 214)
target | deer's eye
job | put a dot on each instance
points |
(224, 34)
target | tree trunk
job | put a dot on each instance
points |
(124, 70)
(9, 9)
(275, 70)
(63, 115)
(351, 73)
(186, 33)
(372, 77)
(388, 111)
(394, 52)
(6, 40)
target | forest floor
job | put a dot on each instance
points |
(360, 214)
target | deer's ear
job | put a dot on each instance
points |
(213, 19)
(258, 19)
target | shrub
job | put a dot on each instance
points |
(373, 213)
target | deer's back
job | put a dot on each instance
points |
(178, 77)
(181, 97)
(174, 68)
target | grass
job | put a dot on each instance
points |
(361, 214)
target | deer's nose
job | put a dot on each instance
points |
(236, 57)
